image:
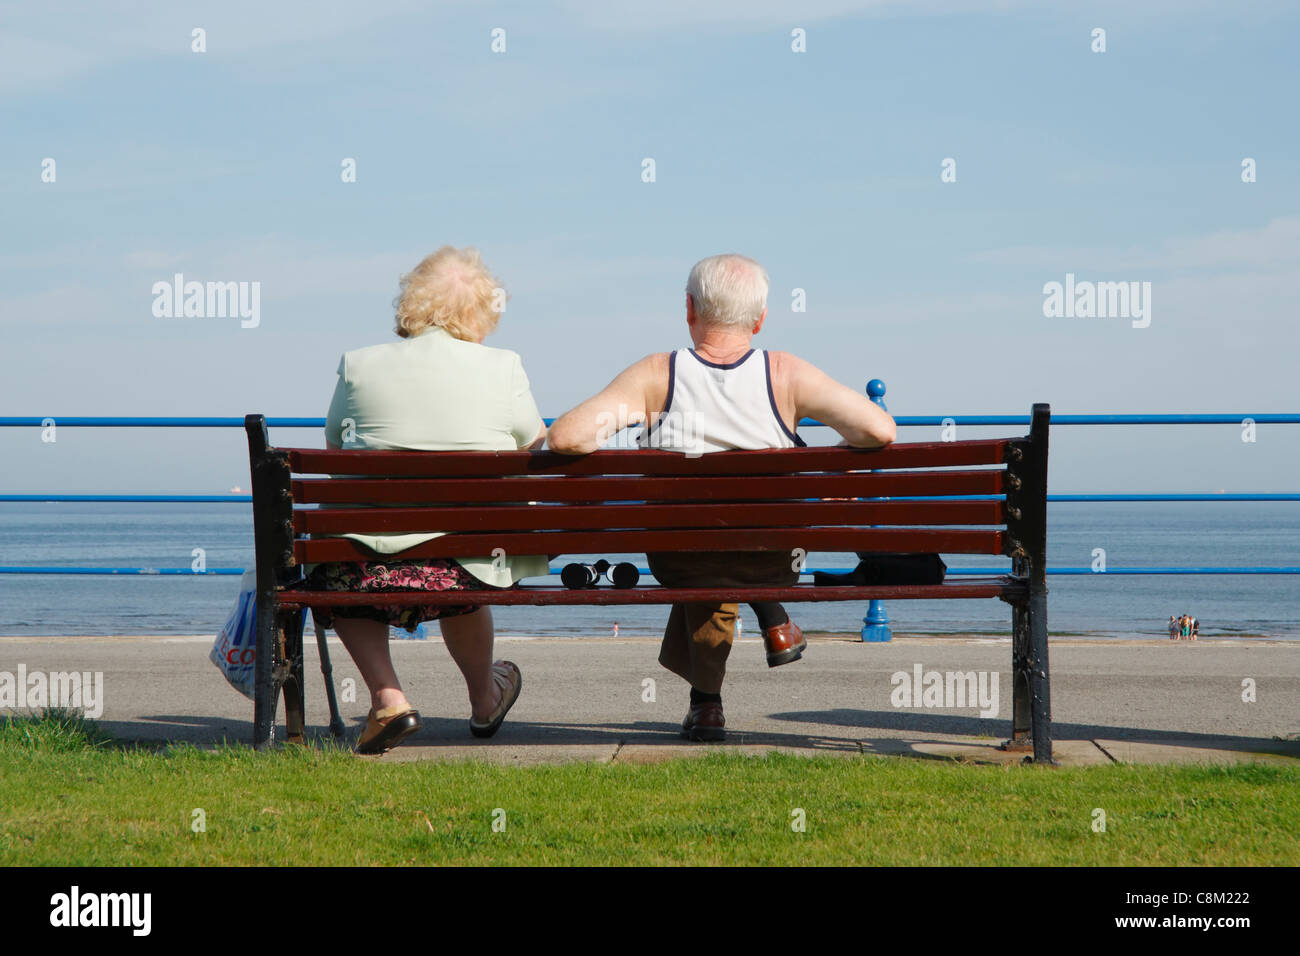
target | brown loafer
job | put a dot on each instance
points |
(784, 643)
(704, 722)
(387, 728)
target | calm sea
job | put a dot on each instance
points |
(1179, 534)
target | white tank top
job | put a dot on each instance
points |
(713, 407)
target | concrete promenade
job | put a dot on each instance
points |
(589, 699)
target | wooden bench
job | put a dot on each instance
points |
(985, 496)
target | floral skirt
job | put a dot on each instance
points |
(428, 574)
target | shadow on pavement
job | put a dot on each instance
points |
(818, 735)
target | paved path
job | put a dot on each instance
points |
(587, 699)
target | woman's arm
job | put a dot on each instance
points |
(337, 414)
(525, 420)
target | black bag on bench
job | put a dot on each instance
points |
(880, 568)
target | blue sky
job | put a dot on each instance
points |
(824, 165)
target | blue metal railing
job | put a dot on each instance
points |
(1263, 418)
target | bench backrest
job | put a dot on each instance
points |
(984, 496)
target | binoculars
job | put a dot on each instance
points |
(621, 575)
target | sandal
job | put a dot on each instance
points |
(507, 677)
(387, 728)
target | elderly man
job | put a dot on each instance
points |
(722, 394)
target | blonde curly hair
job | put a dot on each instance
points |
(452, 290)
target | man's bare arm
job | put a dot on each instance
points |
(620, 404)
(861, 422)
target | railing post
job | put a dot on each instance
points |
(875, 626)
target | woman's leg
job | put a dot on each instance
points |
(469, 638)
(367, 642)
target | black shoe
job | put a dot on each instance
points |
(383, 735)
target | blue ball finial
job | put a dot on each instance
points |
(876, 388)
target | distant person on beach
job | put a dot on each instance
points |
(1173, 627)
(721, 394)
(438, 388)
(1196, 628)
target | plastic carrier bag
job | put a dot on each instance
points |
(235, 649)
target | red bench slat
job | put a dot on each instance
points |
(1002, 586)
(592, 489)
(645, 461)
(633, 516)
(740, 539)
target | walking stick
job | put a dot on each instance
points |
(336, 722)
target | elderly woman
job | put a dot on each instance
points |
(438, 388)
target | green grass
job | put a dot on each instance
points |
(68, 795)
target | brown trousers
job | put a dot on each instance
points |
(698, 637)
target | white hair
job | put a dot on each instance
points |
(728, 291)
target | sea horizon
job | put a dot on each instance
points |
(1120, 607)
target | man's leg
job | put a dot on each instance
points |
(697, 641)
(704, 633)
(769, 614)
(783, 640)
(698, 638)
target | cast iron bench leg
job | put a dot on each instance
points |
(294, 692)
(1038, 680)
(264, 690)
(274, 669)
(1031, 704)
(1021, 695)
